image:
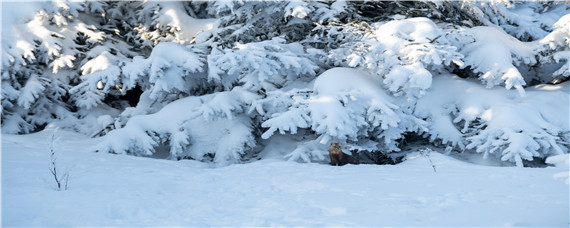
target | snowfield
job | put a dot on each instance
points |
(122, 190)
(255, 91)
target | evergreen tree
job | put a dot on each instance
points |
(218, 80)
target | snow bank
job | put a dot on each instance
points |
(561, 161)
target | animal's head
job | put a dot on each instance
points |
(335, 146)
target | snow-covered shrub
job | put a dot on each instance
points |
(265, 65)
(494, 55)
(42, 54)
(346, 105)
(254, 21)
(37, 52)
(170, 21)
(524, 20)
(170, 72)
(196, 127)
(401, 51)
(555, 48)
(463, 114)
(239, 71)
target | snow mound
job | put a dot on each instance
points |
(561, 161)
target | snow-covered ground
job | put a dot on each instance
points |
(121, 190)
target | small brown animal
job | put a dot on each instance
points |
(338, 157)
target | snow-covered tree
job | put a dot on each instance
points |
(495, 121)
(170, 21)
(346, 105)
(501, 67)
(555, 49)
(267, 65)
(212, 127)
(218, 80)
(402, 52)
(40, 54)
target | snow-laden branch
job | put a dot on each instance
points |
(497, 121)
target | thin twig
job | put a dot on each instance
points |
(59, 180)
(425, 153)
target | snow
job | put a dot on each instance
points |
(497, 121)
(402, 51)
(558, 42)
(191, 126)
(216, 87)
(492, 55)
(563, 161)
(175, 18)
(15, 14)
(344, 105)
(353, 87)
(120, 190)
